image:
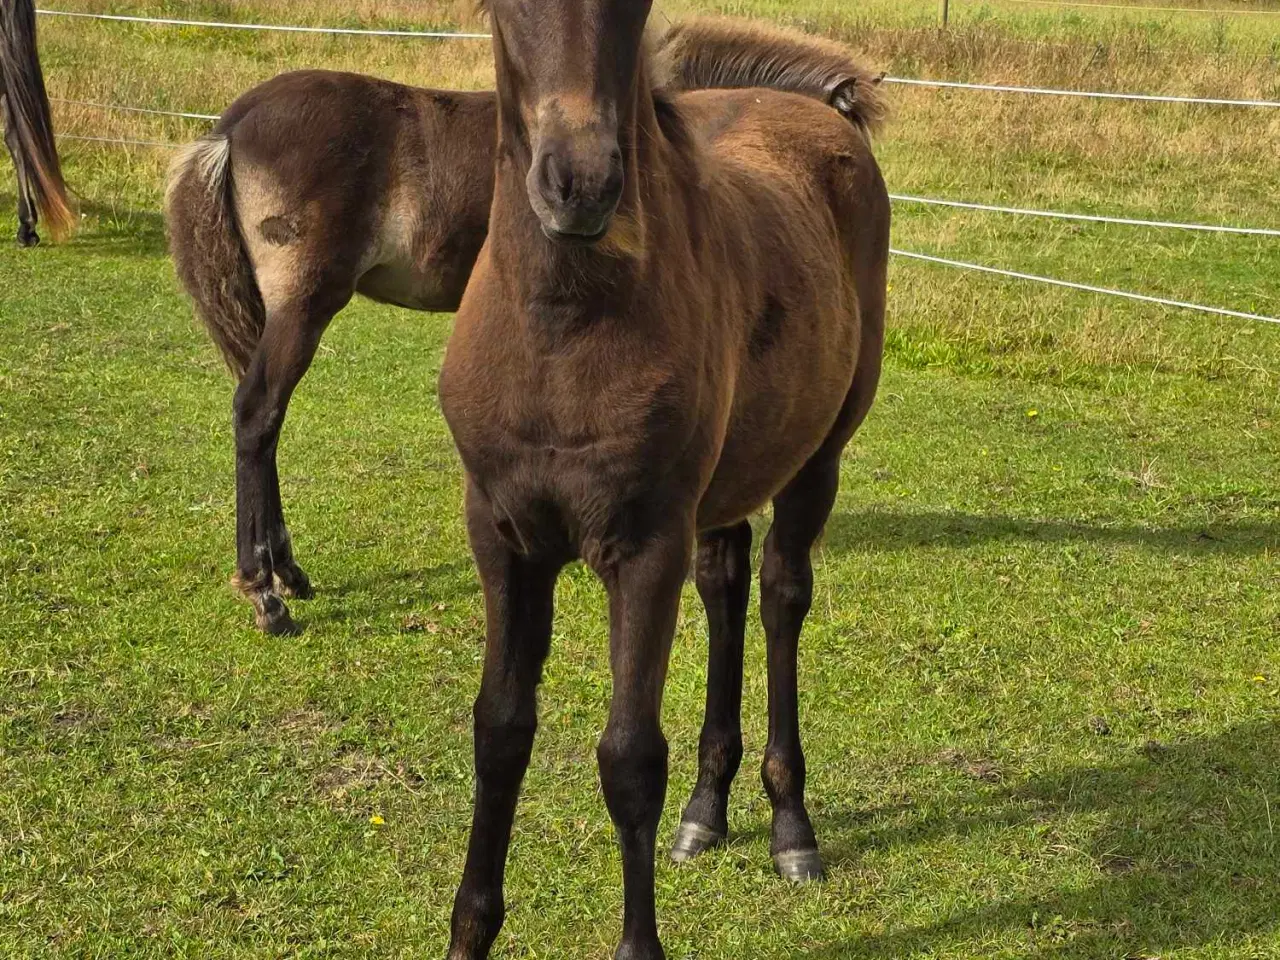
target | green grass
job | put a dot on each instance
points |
(1041, 680)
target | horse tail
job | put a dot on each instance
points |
(29, 117)
(209, 252)
(719, 52)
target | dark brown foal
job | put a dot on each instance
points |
(676, 319)
(312, 187)
(315, 186)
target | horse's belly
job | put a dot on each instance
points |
(417, 286)
(774, 433)
(748, 476)
(418, 263)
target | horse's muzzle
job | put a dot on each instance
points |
(574, 188)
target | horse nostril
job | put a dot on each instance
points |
(557, 179)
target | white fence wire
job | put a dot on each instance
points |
(1213, 11)
(1087, 288)
(457, 35)
(123, 141)
(276, 27)
(901, 198)
(146, 110)
(1082, 94)
(1087, 217)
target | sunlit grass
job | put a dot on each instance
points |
(1040, 680)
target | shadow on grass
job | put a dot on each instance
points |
(1182, 839)
(108, 230)
(884, 530)
(448, 578)
(114, 230)
(371, 596)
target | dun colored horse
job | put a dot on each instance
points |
(28, 127)
(677, 318)
(315, 186)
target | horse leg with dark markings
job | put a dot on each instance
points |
(27, 219)
(265, 567)
(724, 584)
(519, 594)
(27, 216)
(644, 599)
(786, 592)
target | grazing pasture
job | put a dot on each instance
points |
(1041, 679)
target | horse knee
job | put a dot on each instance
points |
(633, 774)
(723, 561)
(504, 733)
(787, 583)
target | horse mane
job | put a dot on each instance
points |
(723, 52)
(728, 53)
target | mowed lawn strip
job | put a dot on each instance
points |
(1040, 682)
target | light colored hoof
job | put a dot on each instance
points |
(693, 839)
(800, 866)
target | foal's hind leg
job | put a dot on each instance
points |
(724, 583)
(27, 217)
(265, 567)
(290, 579)
(786, 591)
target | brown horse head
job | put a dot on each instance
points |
(566, 75)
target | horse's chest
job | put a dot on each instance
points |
(549, 446)
(559, 454)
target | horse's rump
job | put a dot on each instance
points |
(208, 253)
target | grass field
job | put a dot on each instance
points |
(1041, 680)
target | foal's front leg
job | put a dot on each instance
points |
(724, 583)
(644, 600)
(518, 596)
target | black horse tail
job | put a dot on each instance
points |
(209, 252)
(30, 123)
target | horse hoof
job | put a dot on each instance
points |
(639, 951)
(693, 839)
(293, 583)
(273, 617)
(800, 866)
(28, 238)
